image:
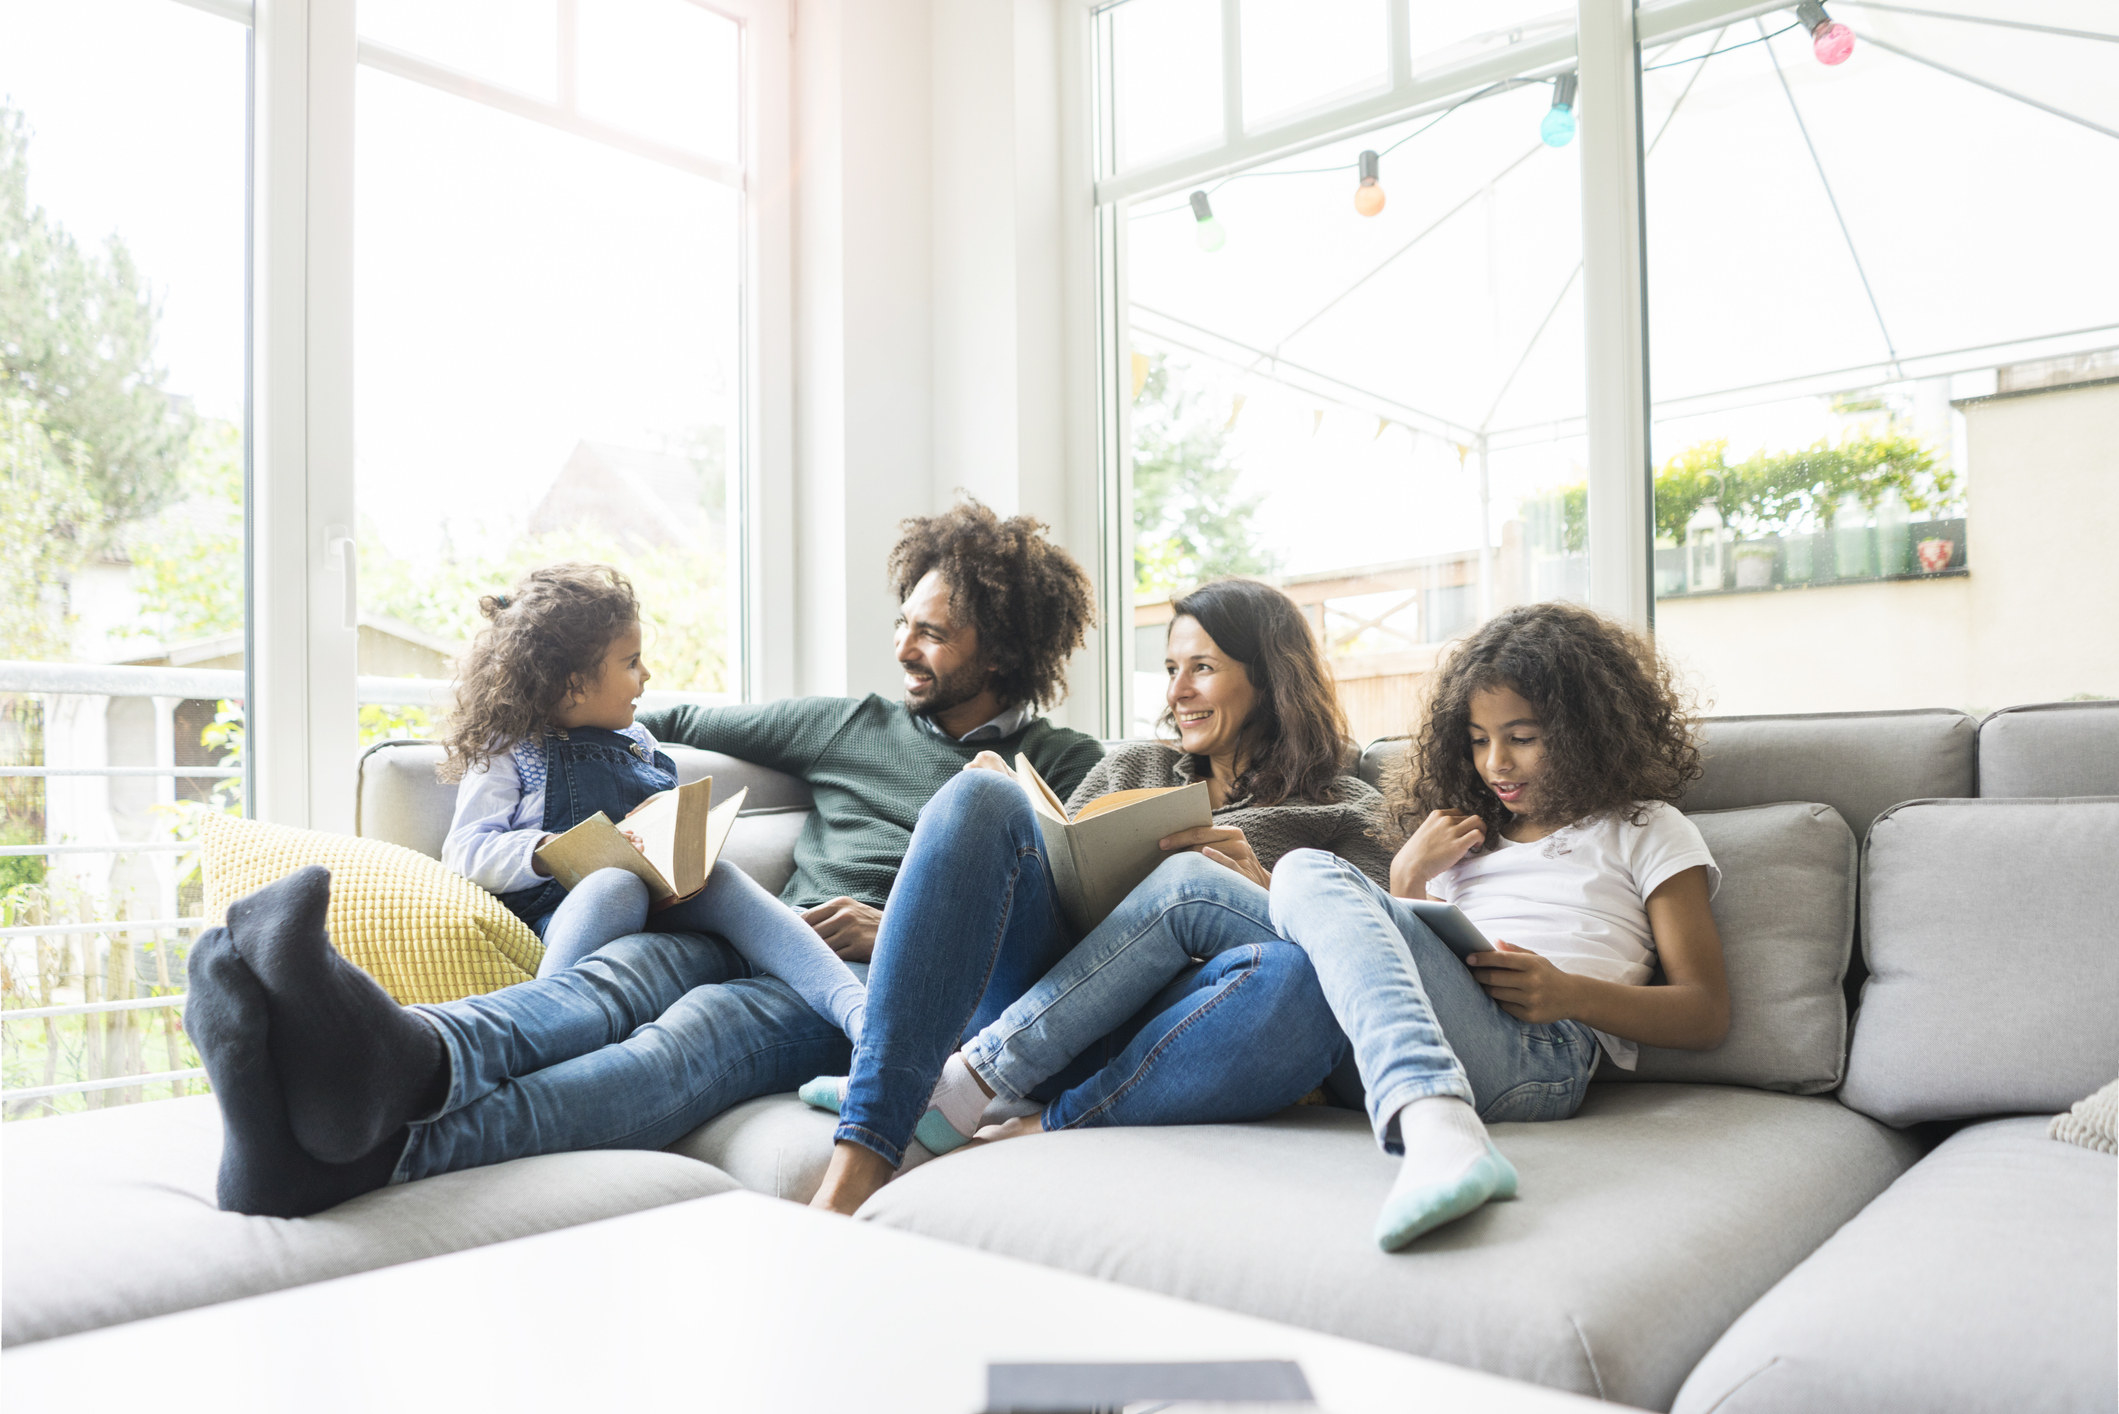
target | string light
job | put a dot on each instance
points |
(1368, 197)
(1830, 40)
(1558, 128)
(1208, 232)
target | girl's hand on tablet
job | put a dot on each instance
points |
(1525, 984)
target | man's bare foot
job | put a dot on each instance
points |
(851, 1179)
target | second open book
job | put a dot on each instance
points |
(681, 832)
(1102, 854)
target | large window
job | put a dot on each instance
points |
(1843, 437)
(548, 320)
(123, 398)
(1885, 314)
(1355, 369)
(319, 319)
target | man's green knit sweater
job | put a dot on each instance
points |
(871, 766)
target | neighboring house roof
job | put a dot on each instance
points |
(640, 499)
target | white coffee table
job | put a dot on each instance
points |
(737, 1302)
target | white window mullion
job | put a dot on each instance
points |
(303, 715)
(1615, 314)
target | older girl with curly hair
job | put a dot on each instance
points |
(1540, 794)
(541, 736)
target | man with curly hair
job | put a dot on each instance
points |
(655, 1033)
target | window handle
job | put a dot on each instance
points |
(338, 540)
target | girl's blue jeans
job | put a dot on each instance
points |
(973, 924)
(1420, 1023)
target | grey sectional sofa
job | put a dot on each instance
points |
(1818, 1216)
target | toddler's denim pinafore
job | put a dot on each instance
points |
(588, 769)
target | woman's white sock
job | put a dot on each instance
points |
(959, 1096)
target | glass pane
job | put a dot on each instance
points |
(1166, 77)
(663, 68)
(1301, 54)
(513, 43)
(1876, 292)
(1381, 413)
(122, 222)
(1446, 32)
(546, 367)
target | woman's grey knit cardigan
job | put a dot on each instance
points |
(1342, 824)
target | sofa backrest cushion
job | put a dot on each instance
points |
(1785, 911)
(1859, 763)
(2051, 749)
(400, 801)
(1991, 932)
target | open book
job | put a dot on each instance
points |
(681, 832)
(1102, 854)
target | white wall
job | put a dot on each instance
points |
(940, 301)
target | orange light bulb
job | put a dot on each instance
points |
(1368, 197)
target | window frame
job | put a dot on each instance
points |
(1604, 48)
(303, 666)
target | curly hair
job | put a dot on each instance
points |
(543, 639)
(1619, 732)
(1295, 740)
(1029, 600)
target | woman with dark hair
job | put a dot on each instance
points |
(1154, 1016)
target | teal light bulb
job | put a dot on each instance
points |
(1558, 129)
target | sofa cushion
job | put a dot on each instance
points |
(1646, 1224)
(2051, 749)
(1982, 1280)
(423, 931)
(778, 1146)
(1785, 911)
(109, 1216)
(1991, 932)
(398, 799)
(1859, 763)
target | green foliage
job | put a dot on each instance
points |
(77, 333)
(43, 485)
(187, 561)
(1765, 494)
(1191, 523)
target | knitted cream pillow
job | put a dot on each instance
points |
(426, 933)
(2091, 1123)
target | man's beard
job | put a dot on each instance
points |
(949, 690)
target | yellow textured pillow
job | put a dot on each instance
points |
(425, 932)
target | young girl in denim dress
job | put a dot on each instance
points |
(541, 736)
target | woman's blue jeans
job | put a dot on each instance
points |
(631, 1048)
(1420, 1023)
(973, 923)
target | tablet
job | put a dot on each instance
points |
(1447, 922)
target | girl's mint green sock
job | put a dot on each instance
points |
(1450, 1168)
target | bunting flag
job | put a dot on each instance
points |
(1140, 374)
(1383, 425)
(1235, 411)
(1463, 451)
(1316, 420)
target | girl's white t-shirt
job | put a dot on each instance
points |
(1580, 895)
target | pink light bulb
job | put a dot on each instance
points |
(1832, 42)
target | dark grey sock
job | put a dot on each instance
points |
(353, 1065)
(263, 1170)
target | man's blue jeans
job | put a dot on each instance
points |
(1420, 1023)
(630, 1048)
(974, 923)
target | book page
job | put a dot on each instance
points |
(1119, 799)
(1041, 797)
(672, 830)
(596, 844)
(1115, 850)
